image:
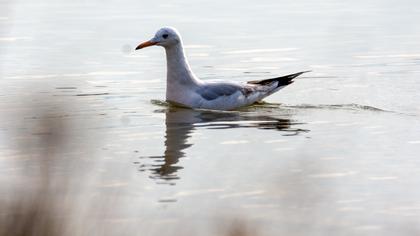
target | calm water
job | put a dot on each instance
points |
(84, 123)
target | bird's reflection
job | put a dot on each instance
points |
(180, 124)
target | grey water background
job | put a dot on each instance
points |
(84, 129)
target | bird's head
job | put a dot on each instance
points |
(165, 37)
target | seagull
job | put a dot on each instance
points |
(184, 89)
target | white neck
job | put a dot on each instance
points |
(179, 73)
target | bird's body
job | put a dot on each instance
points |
(183, 88)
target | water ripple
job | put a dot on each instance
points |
(350, 106)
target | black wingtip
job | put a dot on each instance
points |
(282, 80)
(296, 74)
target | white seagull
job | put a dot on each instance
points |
(183, 88)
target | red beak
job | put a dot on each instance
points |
(145, 44)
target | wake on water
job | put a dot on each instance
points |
(267, 105)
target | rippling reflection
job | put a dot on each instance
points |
(180, 123)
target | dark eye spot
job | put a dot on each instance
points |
(165, 36)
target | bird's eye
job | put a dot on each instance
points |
(165, 36)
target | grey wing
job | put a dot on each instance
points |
(213, 91)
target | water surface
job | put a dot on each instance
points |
(83, 119)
